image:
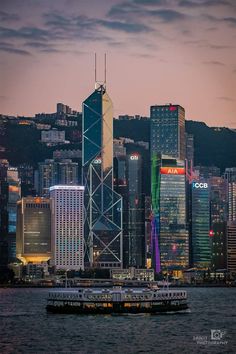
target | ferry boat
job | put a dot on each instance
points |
(116, 300)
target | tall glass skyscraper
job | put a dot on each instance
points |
(14, 194)
(135, 210)
(167, 137)
(174, 236)
(103, 206)
(201, 252)
(167, 134)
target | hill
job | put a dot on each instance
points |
(213, 146)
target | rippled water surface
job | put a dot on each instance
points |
(25, 327)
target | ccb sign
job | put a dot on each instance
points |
(200, 185)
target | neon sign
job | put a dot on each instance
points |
(97, 161)
(200, 185)
(134, 157)
(172, 170)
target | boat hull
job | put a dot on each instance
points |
(117, 308)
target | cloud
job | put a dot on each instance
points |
(125, 27)
(9, 48)
(167, 15)
(4, 98)
(213, 62)
(230, 20)
(219, 47)
(41, 45)
(123, 9)
(207, 3)
(6, 17)
(151, 2)
(202, 43)
(228, 99)
(24, 33)
(127, 10)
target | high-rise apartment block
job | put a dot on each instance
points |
(67, 227)
(33, 236)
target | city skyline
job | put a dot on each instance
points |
(158, 51)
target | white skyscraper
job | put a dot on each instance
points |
(67, 227)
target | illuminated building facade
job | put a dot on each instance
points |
(231, 248)
(200, 227)
(167, 135)
(67, 227)
(135, 210)
(103, 206)
(218, 221)
(4, 164)
(155, 213)
(14, 194)
(174, 236)
(232, 201)
(33, 235)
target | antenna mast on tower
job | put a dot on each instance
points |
(97, 82)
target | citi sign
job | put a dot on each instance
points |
(134, 157)
(172, 171)
(200, 185)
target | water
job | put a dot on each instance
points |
(25, 327)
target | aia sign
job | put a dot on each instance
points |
(172, 170)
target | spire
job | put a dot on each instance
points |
(100, 84)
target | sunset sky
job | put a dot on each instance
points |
(158, 51)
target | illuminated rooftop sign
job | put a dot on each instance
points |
(62, 187)
(97, 161)
(172, 170)
(200, 185)
(134, 157)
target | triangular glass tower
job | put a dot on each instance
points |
(103, 206)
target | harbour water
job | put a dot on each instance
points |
(209, 327)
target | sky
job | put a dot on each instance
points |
(158, 51)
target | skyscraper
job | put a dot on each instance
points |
(67, 227)
(174, 236)
(53, 172)
(167, 135)
(4, 164)
(232, 201)
(135, 210)
(167, 140)
(231, 248)
(33, 236)
(14, 194)
(218, 221)
(200, 240)
(103, 206)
